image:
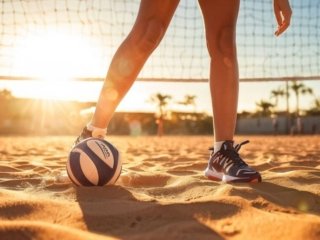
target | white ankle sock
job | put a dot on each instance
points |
(217, 146)
(97, 132)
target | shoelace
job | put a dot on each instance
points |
(234, 155)
(237, 147)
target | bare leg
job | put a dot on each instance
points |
(220, 18)
(152, 21)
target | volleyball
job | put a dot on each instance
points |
(94, 162)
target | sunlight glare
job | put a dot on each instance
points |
(56, 56)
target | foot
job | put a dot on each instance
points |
(227, 165)
(84, 135)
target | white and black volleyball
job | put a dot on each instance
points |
(94, 162)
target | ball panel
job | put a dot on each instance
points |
(88, 167)
(117, 161)
(113, 150)
(102, 151)
(70, 174)
(76, 170)
(105, 173)
(118, 166)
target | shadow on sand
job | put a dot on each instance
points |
(114, 211)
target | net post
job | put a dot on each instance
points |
(288, 107)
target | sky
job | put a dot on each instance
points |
(57, 40)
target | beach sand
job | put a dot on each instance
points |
(162, 193)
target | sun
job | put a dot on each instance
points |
(56, 56)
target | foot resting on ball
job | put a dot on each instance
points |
(90, 131)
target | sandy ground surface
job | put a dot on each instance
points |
(162, 193)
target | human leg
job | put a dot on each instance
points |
(225, 163)
(220, 18)
(149, 28)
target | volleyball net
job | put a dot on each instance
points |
(78, 38)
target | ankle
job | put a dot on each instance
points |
(97, 132)
(218, 144)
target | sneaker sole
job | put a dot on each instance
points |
(231, 179)
(218, 176)
(213, 175)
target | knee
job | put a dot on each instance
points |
(151, 36)
(142, 40)
(222, 43)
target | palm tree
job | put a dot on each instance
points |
(317, 104)
(299, 89)
(161, 102)
(264, 107)
(315, 109)
(277, 94)
(189, 100)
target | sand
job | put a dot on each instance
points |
(162, 193)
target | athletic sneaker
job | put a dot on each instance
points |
(227, 165)
(84, 135)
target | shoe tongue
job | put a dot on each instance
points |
(227, 145)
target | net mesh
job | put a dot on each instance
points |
(78, 38)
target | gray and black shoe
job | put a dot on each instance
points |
(84, 135)
(226, 165)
